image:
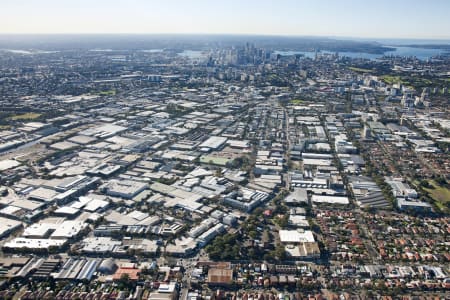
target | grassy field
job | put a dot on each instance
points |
(296, 101)
(418, 81)
(103, 93)
(411, 81)
(25, 116)
(107, 93)
(441, 196)
(389, 79)
(361, 70)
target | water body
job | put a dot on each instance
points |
(420, 53)
(101, 50)
(153, 50)
(26, 52)
(192, 54)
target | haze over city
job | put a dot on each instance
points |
(347, 18)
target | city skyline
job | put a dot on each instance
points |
(349, 18)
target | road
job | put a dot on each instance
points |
(288, 146)
(374, 255)
(189, 265)
(14, 152)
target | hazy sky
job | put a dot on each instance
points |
(349, 18)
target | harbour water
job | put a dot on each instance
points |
(420, 53)
(405, 51)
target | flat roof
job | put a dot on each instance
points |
(10, 210)
(20, 242)
(68, 229)
(239, 143)
(95, 204)
(187, 204)
(38, 230)
(404, 202)
(162, 188)
(8, 164)
(67, 210)
(43, 194)
(330, 199)
(296, 236)
(63, 145)
(8, 225)
(27, 204)
(99, 244)
(104, 129)
(213, 142)
(82, 139)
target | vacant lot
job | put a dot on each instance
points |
(25, 116)
(361, 70)
(296, 101)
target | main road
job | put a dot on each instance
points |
(288, 146)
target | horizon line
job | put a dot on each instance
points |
(226, 34)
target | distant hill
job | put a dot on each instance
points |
(174, 41)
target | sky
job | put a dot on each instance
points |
(421, 19)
